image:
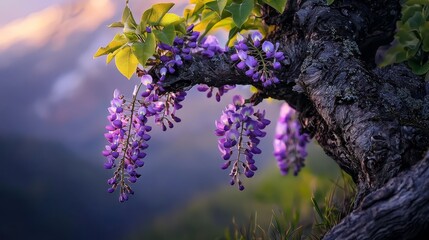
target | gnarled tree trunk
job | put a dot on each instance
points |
(373, 122)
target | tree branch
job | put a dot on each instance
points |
(398, 210)
(359, 116)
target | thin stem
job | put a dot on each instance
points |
(240, 140)
(122, 162)
(264, 66)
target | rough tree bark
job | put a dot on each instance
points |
(373, 122)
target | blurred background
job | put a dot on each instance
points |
(53, 101)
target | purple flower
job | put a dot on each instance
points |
(256, 38)
(128, 132)
(289, 143)
(252, 60)
(146, 79)
(173, 57)
(239, 129)
(268, 47)
(221, 90)
(242, 55)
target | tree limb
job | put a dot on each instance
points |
(398, 210)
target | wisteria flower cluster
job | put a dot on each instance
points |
(172, 57)
(220, 91)
(289, 143)
(161, 104)
(240, 129)
(128, 131)
(258, 58)
(127, 136)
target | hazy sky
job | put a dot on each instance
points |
(52, 89)
(57, 91)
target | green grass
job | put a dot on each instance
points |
(271, 207)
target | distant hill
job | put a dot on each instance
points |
(46, 193)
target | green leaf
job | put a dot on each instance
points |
(110, 56)
(413, 2)
(116, 24)
(408, 12)
(209, 19)
(143, 51)
(131, 36)
(118, 41)
(227, 23)
(171, 19)
(153, 15)
(221, 4)
(212, 6)
(232, 34)
(255, 23)
(392, 55)
(407, 38)
(330, 2)
(240, 12)
(126, 62)
(417, 67)
(424, 31)
(416, 21)
(278, 5)
(166, 35)
(199, 6)
(181, 28)
(128, 20)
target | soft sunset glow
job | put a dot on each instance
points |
(55, 24)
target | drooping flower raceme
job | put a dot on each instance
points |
(240, 129)
(259, 59)
(128, 130)
(127, 136)
(289, 143)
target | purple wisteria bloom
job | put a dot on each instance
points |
(211, 47)
(173, 56)
(239, 130)
(127, 137)
(220, 91)
(259, 61)
(128, 131)
(289, 143)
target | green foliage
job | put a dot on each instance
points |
(283, 226)
(229, 15)
(166, 35)
(136, 42)
(155, 14)
(240, 12)
(126, 62)
(412, 38)
(143, 51)
(330, 1)
(137, 46)
(118, 41)
(337, 205)
(278, 5)
(280, 227)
